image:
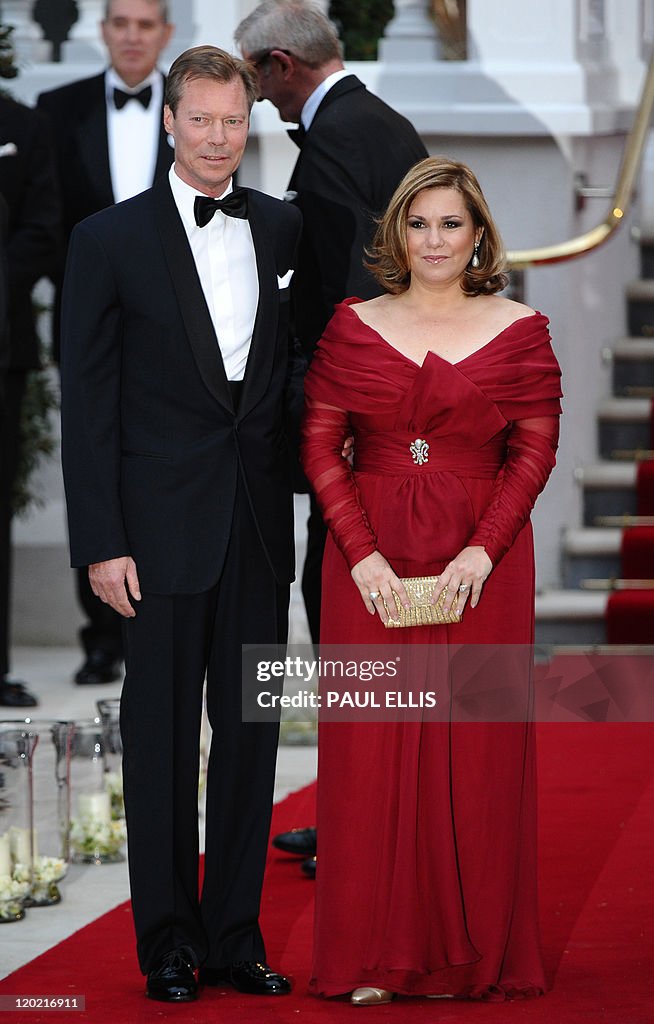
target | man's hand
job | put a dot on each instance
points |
(112, 581)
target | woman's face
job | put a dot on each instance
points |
(440, 236)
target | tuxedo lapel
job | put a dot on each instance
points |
(264, 334)
(298, 135)
(92, 142)
(190, 296)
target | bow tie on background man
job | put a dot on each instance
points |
(233, 205)
(143, 97)
(297, 135)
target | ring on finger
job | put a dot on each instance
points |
(464, 587)
(373, 595)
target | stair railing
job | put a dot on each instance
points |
(519, 259)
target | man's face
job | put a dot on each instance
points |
(275, 79)
(210, 130)
(135, 34)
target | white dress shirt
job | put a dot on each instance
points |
(315, 99)
(226, 263)
(133, 136)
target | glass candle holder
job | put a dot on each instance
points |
(109, 711)
(18, 839)
(51, 810)
(95, 838)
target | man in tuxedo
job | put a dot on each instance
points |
(177, 375)
(111, 145)
(354, 150)
(28, 185)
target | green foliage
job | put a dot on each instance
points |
(361, 25)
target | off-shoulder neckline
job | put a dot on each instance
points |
(350, 303)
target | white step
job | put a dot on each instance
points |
(592, 540)
(625, 410)
(554, 605)
(600, 475)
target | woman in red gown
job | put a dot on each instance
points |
(426, 883)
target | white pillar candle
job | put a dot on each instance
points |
(19, 844)
(96, 806)
(5, 855)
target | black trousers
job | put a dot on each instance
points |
(14, 393)
(104, 629)
(169, 645)
(312, 571)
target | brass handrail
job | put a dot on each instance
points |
(519, 259)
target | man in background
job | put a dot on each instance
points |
(111, 145)
(28, 185)
(354, 150)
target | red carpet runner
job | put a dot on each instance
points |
(597, 889)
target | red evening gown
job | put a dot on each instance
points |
(426, 882)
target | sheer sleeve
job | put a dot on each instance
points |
(324, 430)
(532, 445)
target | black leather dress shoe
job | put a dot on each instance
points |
(308, 867)
(301, 841)
(14, 694)
(249, 977)
(173, 979)
(99, 667)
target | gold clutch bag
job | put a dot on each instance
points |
(421, 613)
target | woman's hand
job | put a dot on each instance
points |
(376, 580)
(464, 577)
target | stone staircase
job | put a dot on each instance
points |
(575, 614)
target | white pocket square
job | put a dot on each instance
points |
(8, 149)
(283, 282)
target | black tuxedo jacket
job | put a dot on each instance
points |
(152, 449)
(351, 161)
(78, 114)
(28, 184)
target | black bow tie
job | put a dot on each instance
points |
(297, 135)
(234, 205)
(143, 97)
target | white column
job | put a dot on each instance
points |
(85, 42)
(412, 35)
(215, 24)
(27, 36)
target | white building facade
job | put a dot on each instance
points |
(544, 101)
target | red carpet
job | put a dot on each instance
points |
(645, 487)
(597, 888)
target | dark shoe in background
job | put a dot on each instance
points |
(247, 976)
(308, 867)
(99, 667)
(14, 694)
(173, 978)
(301, 841)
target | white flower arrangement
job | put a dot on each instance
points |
(94, 839)
(113, 783)
(46, 873)
(13, 893)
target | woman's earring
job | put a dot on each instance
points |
(474, 262)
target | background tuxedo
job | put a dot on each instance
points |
(160, 465)
(28, 185)
(78, 114)
(352, 158)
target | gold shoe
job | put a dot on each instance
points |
(369, 996)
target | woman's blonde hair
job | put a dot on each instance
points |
(387, 256)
